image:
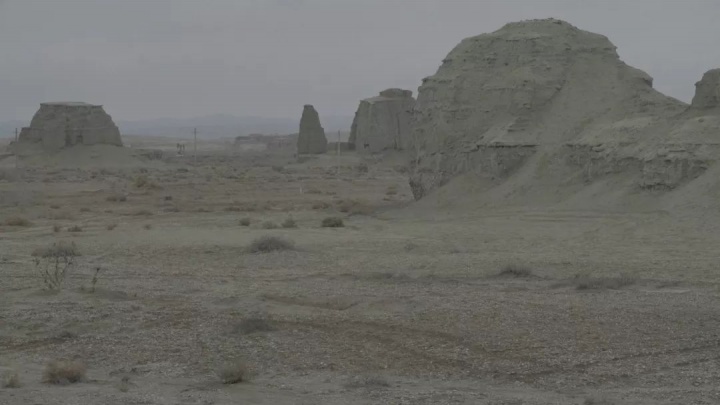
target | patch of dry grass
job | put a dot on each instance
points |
(11, 380)
(245, 221)
(116, 198)
(64, 372)
(332, 222)
(233, 372)
(75, 228)
(517, 271)
(266, 244)
(57, 228)
(112, 226)
(289, 223)
(17, 221)
(269, 225)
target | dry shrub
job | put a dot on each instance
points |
(75, 228)
(116, 198)
(392, 190)
(233, 209)
(143, 181)
(64, 372)
(252, 325)
(17, 221)
(367, 382)
(289, 223)
(603, 283)
(85, 209)
(513, 270)
(269, 225)
(362, 168)
(54, 206)
(171, 209)
(112, 226)
(354, 207)
(320, 205)
(332, 222)
(54, 262)
(245, 221)
(11, 380)
(57, 228)
(142, 213)
(147, 227)
(233, 372)
(266, 244)
(314, 191)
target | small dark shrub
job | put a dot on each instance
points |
(233, 373)
(333, 222)
(75, 228)
(289, 223)
(513, 270)
(267, 244)
(17, 221)
(245, 221)
(64, 372)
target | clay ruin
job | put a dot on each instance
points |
(383, 122)
(64, 124)
(311, 139)
(542, 105)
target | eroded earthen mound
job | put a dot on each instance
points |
(538, 110)
(383, 122)
(311, 139)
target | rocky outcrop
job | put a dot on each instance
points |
(536, 95)
(59, 125)
(311, 139)
(383, 122)
(707, 91)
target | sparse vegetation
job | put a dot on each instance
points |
(57, 228)
(116, 198)
(142, 213)
(289, 223)
(11, 380)
(233, 372)
(514, 270)
(95, 278)
(245, 221)
(111, 226)
(354, 207)
(266, 244)
(583, 282)
(269, 225)
(85, 209)
(147, 227)
(17, 221)
(320, 205)
(333, 222)
(75, 228)
(367, 382)
(143, 181)
(54, 262)
(64, 372)
(252, 325)
(362, 168)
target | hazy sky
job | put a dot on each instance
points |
(175, 58)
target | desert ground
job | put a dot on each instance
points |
(407, 303)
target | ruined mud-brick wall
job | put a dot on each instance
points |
(311, 139)
(383, 122)
(59, 125)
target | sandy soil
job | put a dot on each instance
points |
(403, 305)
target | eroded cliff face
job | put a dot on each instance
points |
(546, 91)
(383, 122)
(59, 125)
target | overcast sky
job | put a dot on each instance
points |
(174, 58)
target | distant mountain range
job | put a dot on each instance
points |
(211, 126)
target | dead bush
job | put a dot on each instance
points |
(362, 168)
(75, 228)
(54, 262)
(266, 244)
(57, 228)
(252, 325)
(320, 205)
(64, 372)
(583, 282)
(289, 223)
(143, 181)
(11, 380)
(112, 226)
(85, 209)
(233, 372)
(17, 221)
(147, 227)
(514, 270)
(245, 221)
(269, 225)
(332, 222)
(116, 198)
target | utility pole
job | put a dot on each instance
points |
(194, 146)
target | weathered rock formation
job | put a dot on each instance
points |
(383, 122)
(542, 105)
(59, 125)
(707, 91)
(311, 139)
